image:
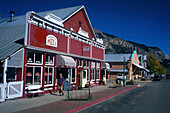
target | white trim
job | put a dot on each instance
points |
(4, 71)
(73, 14)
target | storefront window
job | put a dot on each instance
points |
(48, 76)
(33, 76)
(92, 74)
(49, 59)
(34, 57)
(97, 74)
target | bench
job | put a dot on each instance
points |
(34, 89)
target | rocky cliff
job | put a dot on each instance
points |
(116, 45)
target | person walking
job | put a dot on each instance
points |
(60, 85)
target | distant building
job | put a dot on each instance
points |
(133, 66)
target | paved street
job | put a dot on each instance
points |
(153, 97)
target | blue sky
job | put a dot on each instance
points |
(142, 21)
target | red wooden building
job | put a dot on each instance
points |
(53, 42)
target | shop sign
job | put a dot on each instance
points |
(51, 40)
(86, 48)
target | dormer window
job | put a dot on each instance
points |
(53, 18)
(82, 32)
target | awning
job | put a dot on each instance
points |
(65, 61)
(105, 65)
(141, 67)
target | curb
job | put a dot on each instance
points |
(98, 101)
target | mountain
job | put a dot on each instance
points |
(116, 45)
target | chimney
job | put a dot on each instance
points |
(12, 16)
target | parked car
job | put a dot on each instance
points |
(167, 76)
(120, 76)
(156, 77)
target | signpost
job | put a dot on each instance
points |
(124, 81)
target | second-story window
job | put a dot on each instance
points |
(49, 59)
(34, 57)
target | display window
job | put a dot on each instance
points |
(34, 75)
(49, 74)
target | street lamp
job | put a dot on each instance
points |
(124, 83)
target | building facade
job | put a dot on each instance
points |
(49, 43)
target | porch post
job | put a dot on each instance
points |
(4, 73)
(55, 61)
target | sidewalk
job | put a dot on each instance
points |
(55, 103)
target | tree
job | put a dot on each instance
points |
(154, 65)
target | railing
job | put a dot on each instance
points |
(14, 89)
(78, 95)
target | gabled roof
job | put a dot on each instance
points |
(117, 57)
(13, 32)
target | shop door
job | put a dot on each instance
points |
(83, 80)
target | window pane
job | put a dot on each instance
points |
(49, 59)
(37, 76)
(1, 74)
(38, 58)
(30, 58)
(29, 77)
(87, 74)
(84, 74)
(97, 74)
(46, 76)
(92, 74)
(80, 62)
(50, 76)
(73, 75)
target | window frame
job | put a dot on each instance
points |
(33, 75)
(48, 67)
(34, 55)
